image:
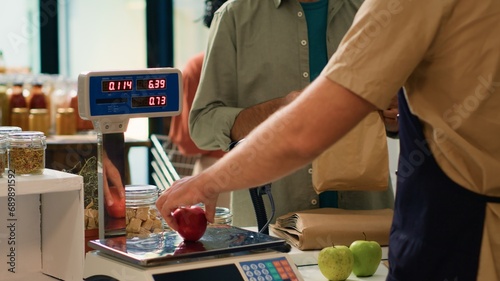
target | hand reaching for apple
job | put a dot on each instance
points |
(187, 191)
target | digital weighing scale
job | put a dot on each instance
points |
(110, 99)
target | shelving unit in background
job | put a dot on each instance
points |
(49, 227)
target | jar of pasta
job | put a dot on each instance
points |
(27, 152)
(142, 217)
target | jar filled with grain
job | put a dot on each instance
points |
(27, 152)
(3, 154)
(142, 217)
(5, 131)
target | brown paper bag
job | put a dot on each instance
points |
(358, 161)
(318, 228)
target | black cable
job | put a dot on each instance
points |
(266, 189)
(260, 210)
(256, 194)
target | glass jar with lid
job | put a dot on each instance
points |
(142, 217)
(19, 117)
(65, 121)
(39, 120)
(3, 154)
(27, 152)
(5, 131)
(223, 216)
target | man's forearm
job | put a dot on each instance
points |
(251, 117)
(291, 138)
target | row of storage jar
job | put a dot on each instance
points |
(38, 119)
(22, 151)
(45, 103)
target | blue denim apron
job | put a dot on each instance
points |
(438, 225)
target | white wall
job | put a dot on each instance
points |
(105, 35)
(19, 36)
(190, 35)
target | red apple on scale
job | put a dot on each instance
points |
(191, 221)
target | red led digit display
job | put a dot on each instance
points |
(150, 101)
(151, 84)
(117, 85)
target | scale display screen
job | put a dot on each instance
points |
(153, 92)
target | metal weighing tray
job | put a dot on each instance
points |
(168, 247)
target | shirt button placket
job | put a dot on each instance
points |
(300, 14)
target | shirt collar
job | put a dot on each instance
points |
(277, 3)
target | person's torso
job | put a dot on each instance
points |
(460, 108)
(272, 45)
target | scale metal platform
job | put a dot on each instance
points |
(223, 253)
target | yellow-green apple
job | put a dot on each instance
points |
(336, 262)
(367, 257)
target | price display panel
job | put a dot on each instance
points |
(153, 92)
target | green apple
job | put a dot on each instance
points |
(336, 262)
(367, 257)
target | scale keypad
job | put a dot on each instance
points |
(269, 270)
